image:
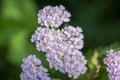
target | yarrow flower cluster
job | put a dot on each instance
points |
(62, 46)
(72, 63)
(74, 36)
(32, 69)
(112, 61)
(53, 16)
(47, 39)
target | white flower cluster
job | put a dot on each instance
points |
(62, 48)
(74, 36)
(112, 61)
(32, 69)
(45, 39)
(72, 63)
(53, 16)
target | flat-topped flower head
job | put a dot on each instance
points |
(32, 69)
(72, 63)
(112, 60)
(74, 36)
(51, 16)
(46, 39)
(62, 49)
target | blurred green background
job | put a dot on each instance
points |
(99, 19)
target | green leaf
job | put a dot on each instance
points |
(17, 47)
